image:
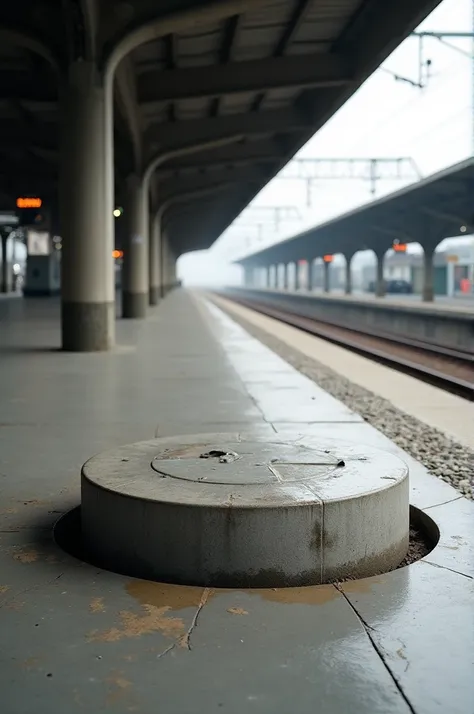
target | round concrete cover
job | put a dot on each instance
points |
(238, 463)
(225, 510)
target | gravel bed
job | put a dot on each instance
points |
(443, 457)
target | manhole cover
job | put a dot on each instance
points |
(247, 463)
(216, 510)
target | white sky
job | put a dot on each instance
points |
(385, 118)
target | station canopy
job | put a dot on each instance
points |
(221, 93)
(437, 207)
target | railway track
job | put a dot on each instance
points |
(446, 368)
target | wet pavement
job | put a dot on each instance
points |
(77, 638)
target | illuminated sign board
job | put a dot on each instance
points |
(400, 247)
(328, 258)
(26, 202)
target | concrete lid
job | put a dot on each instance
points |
(224, 470)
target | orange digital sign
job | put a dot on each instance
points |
(25, 202)
(328, 258)
(400, 247)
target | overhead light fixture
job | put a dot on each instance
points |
(118, 212)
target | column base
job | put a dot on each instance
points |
(154, 295)
(134, 305)
(428, 295)
(87, 326)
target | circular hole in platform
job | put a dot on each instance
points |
(424, 537)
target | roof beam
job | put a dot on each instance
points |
(170, 189)
(171, 42)
(449, 217)
(126, 98)
(163, 137)
(288, 33)
(393, 233)
(317, 70)
(238, 154)
(226, 53)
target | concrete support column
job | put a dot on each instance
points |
(268, 281)
(428, 286)
(173, 281)
(168, 266)
(5, 282)
(164, 265)
(154, 268)
(88, 280)
(135, 288)
(348, 282)
(379, 279)
(297, 276)
(285, 276)
(327, 286)
(310, 274)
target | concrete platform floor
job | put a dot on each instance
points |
(74, 638)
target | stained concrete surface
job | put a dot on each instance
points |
(76, 638)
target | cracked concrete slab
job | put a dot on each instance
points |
(412, 614)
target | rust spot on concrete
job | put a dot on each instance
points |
(173, 597)
(26, 556)
(310, 595)
(3, 589)
(30, 662)
(119, 689)
(15, 605)
(97, 604)
(237, 611)
(133, 625)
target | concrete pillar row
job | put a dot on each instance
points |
(88, 279)
(310, 274)
(379, 278)
(348, 281)
(285, 276)
(164, 264)
(168, 266)
(269, 276)
(135, 291)
(154, 260)
(327, 285)
(297, 276)
(428, 271)
(5, 281)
